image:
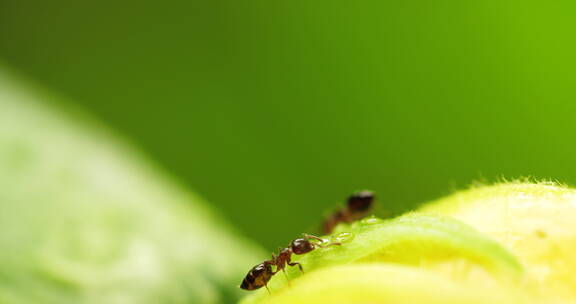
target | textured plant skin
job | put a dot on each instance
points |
(507, 243)
(534, 221)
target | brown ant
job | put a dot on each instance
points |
(260, 274)
(356, 208)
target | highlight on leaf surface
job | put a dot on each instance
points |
(385, 283)
(447, 248)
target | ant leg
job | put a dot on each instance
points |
(275, 257)
(271, 262)
(296, 263)
(309, 236)
(327, 245)
(266, 285)
(286, 275)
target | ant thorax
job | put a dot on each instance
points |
(282, 259)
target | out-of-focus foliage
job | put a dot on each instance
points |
(85, 219)
(290, 105)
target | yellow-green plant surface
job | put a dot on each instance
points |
(507, 243)
(536, 222)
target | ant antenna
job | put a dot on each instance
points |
(313, 237)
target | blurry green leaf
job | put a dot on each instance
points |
(86, 219)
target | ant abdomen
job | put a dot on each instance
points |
(361, 201)
(258, 276)
(357, 206)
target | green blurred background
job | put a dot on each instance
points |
(276, 110)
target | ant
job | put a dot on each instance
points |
(260, 274)
(357, 206)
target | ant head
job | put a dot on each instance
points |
(301, 246)
(361, 201)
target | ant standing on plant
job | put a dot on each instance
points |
(357, 207)
(260, 274)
